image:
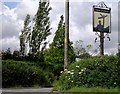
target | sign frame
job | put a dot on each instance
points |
(104, 12)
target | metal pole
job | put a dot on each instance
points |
(101, 43)
(66, 34)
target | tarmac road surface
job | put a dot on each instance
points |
(28, 91)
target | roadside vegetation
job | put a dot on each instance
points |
(92, 89)
(24, 74)
(93, 74)
(40, 66)
(36, 65)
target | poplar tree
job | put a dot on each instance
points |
(58, 41)
(55, 54)
(41, 29)
(24, 34)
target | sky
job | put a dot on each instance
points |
(13, 13)
(11, 5)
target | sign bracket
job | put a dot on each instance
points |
(103, 13)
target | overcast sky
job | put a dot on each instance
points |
(13, 13)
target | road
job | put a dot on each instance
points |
(27, 91)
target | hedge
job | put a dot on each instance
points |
(25, 74)
(92, 72)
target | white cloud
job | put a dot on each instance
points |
(80, 22)
(26, 7)
(10, 27)
(12, 43)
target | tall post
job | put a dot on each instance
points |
(102, 40)
(66, 34)
(101, 43)
(101, 11)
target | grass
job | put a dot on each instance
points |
(56, 87)
(92, 89)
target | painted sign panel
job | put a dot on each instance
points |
(101, 20)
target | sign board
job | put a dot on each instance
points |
(101, 19)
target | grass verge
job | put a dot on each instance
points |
(92, 89)
(56, 87)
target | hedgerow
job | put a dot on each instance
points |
(25, 74)
(92, 72)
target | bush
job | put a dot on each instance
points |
(6, 54)
(92, 72)
(26, 74)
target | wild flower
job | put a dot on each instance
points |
(68, 72)
(77, 66)
(68, 78)
(72, 81)
(115, 83)
(65, 76)
(65, 70)
(84, 68)
(61, 72)
(80, 72)
(72, 73)
(72, 70)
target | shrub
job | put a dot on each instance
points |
(15, 73)
(92, 72)
(6, 54)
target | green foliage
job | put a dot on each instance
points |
(92, 72)
(6, 54)
(55, 54)
(36, 33)
(58, 41)
(24, 34)
(41, 29)
(81, 51)
(93, 89)
(56, 86)
(1, 74)
(25, 74)
(54, 58)
(84, 56)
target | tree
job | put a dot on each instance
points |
(118, 54)
(58, 41)
(24, 34)
(6, 54)
(80, 51)
(16, 53)
(55, 54)
(41, 29)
